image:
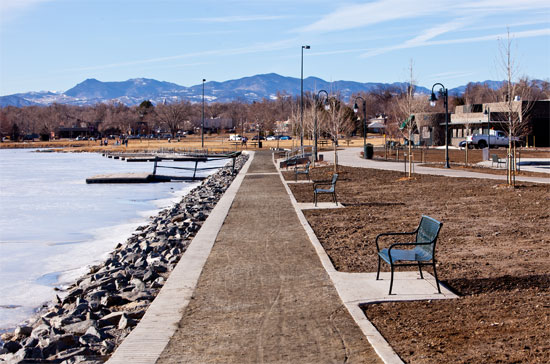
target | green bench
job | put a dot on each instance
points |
(305, 171)
(420, 252)
(331, 189)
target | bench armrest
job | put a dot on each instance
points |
(392, 234)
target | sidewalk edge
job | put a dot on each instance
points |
(146, 342)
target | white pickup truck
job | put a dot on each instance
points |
(498, 139)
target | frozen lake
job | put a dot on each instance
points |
(53, 225)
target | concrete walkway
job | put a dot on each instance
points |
(351, 157)
(256, 286)
(263, 295)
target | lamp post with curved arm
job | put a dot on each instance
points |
(488, 113)
(356, 110)
(433, 99)
(315, 124)
(302, 100)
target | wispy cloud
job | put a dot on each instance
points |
(11, 8)
(376, 12)
(408, 44)
(356, 16)
(439, 30)
(256, 48)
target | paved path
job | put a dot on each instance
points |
(263, 295)
(351, 157)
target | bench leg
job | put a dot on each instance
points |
(334, 198)
(435, 276)
(315, 198)
(378, 271)
(420, 269)
(391, 280)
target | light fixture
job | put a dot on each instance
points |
(433, 99)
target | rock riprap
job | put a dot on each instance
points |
(91, 317)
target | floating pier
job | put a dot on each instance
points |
(156, 158)
(138, 178)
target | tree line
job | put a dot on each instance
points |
(390, 103)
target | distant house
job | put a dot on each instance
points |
(473, 119)
(215, 124)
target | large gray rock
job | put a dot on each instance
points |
(79, 328)
(111, 319)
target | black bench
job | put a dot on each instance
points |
(421, 251)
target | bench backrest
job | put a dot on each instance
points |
(307, 165)
(427, 232)
(333, 182)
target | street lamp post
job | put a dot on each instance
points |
(433, 99)
(315, 124)
(302, 100)
(202, 125)
(488, 113)
(356, 110)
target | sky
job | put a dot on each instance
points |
(56, 44)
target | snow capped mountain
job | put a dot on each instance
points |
(248, 89)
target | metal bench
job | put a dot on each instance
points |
(421, 251)
(331, 189)
(497, 160)
(305, 171)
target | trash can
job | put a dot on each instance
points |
(368, 151)
(259, 143)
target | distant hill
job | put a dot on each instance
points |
(248, 89)
(14, 100)
(492, 85)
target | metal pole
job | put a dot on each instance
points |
(365, 129)
(488, 131)
(433, 99)
(302, 104)
(302, 101)
(202, 126)
(446, 95)
(315, 131)
(315, 150)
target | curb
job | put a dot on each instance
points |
(147, 341)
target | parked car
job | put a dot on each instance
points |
(496, 139)
(284, 137)
(255, 137)
(272, 137)
(235, 137)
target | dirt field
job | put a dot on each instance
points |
(211, 142)
(493, 251)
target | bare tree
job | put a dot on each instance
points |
(518, 101)
(173, 116)
(337, 120)
(406, 106)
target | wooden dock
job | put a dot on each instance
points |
(156, 158)
(138, 178)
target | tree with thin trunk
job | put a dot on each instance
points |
(518, 101)
(336, 121)
(406, 106)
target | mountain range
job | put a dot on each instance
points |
(247, 89)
